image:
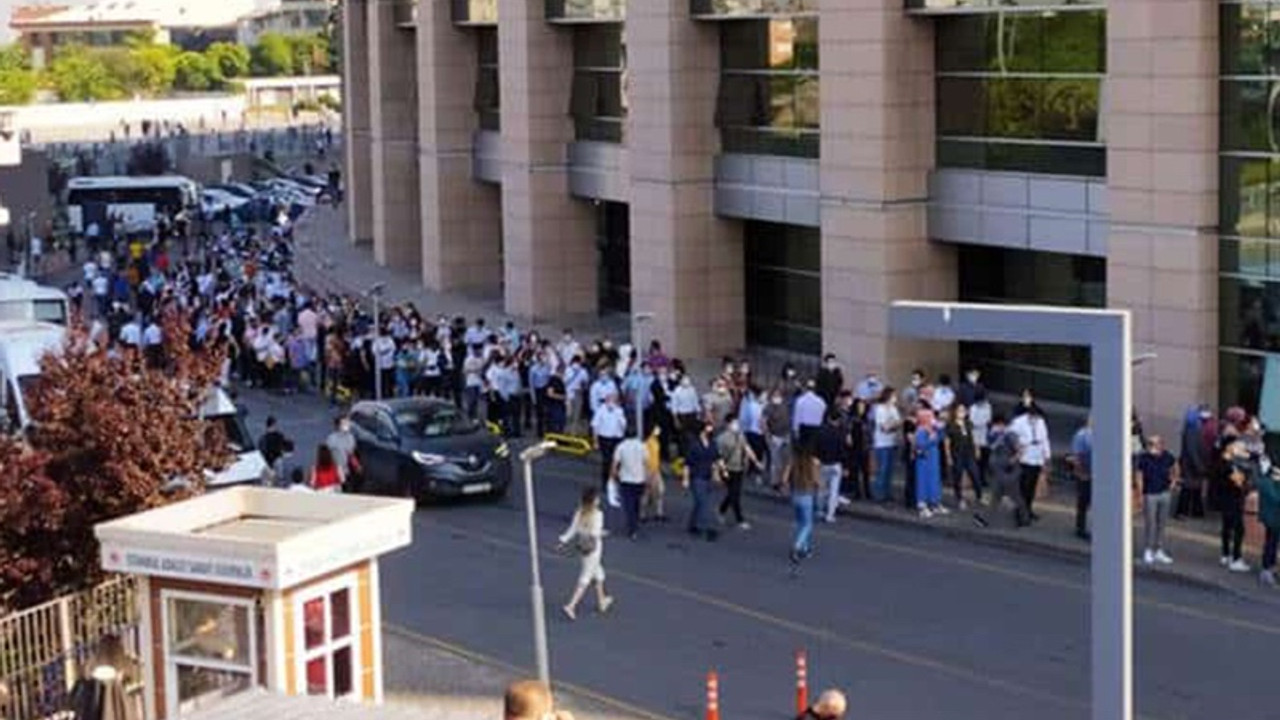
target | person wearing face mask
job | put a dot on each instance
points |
(911, 394)
(342, 444)
(1033, 438)
(751, 417)
(830, 379)
(886, 429)
(687, 408)
(970, 387)
(718, 403)
(736, 458)
(806, 418)
(575, 388)
(568, 347)
(608, 428)
(700, 461)
(869, 388)
(776, 421)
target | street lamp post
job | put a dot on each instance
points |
(375, 294)
(527, 458)
(641, 319)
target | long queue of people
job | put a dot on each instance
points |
(825, 441)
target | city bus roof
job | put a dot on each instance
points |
(123, 181)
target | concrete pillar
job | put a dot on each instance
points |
(1162, 177)
(686, 263)
(549, 248)
(461, 231)
(355, 120)
(393, 102)
(877, 150)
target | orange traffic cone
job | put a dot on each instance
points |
(802, 682)
(713, 696)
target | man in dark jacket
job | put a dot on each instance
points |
(1004, 473)
(830, 380)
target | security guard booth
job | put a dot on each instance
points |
(256, 588)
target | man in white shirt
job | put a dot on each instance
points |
(809, 412)
(152, 338)
(575, 384)
(603, 387)
(131, 334)
(608, 428)
(384, 357)
(568, 348)
(1033, 438)
(629, 471)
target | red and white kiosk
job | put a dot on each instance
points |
(256, 588)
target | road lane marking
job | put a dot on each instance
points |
(911, 659)
(482, 659)
(1025, 576)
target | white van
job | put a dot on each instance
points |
(24, 299)
(22, 344)
(248, 466)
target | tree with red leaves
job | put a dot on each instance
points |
(109, 434)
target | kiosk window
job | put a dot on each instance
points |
(328, 652)
(210, 647)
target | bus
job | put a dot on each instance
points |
(22, 345)
(136, 200)
(24, 299)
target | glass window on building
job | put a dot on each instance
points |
(1058, 373)
(488, 104)
(783, 286)
(1022, 91)
(613, 239)
(768, 98)
(598, 103)
(1249, 208)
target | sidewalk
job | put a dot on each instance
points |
(327, 262)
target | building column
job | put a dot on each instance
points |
(393, 101)
(549, 252)
(877, 121)
(686, 263)
(1162, 177)
(358, 178)
(461, 228)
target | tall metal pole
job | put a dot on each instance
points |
(377, 335)
(535, 589)
(1112, 561)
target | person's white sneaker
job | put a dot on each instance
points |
(924, 513)
(1148, 557)
(1224, 561)
(1238, 566)
(941, 510)
(845, 501)
(1163, 558)
(1268, 578)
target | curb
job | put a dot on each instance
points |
(1028, 545)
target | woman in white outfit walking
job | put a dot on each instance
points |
(586, 536)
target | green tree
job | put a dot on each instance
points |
(231, 61)
(154, 68)
(272, 56)
(78, 75)
(18, 82)
(196, 72)
(310, 54)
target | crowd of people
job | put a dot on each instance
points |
(823, 439)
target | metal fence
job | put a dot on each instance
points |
(42, 649)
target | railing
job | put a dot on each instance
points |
(475, 12)
(712, 9)
(586, 10)
(43, 648)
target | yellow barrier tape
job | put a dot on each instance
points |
(575, 445)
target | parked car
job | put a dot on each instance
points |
(427, 449)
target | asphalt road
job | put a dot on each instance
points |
(912, 625)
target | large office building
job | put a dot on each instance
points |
(775, 172)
